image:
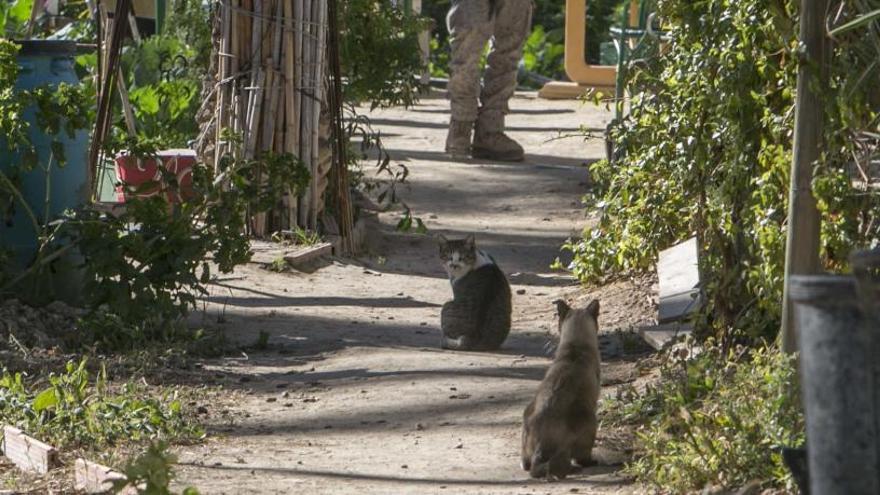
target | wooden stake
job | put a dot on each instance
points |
(102, 120)
(802, 243)
(127, 110)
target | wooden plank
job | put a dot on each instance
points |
(91, 477)
(309, 254)
(679, 280)
(266, 253)
(661, 336)
(28, 453)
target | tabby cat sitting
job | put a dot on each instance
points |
(478, 316)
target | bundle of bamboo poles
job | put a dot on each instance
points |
(271, 77)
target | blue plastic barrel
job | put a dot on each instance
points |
(41, 63)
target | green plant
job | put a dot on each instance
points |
(151, 472)
(706, 149)
(717, 418)
(544, 52)
(14, 16)
(146, 266)
(378, 53)
(75, 411)
(386, 177)
(163, 89)
(298, 236)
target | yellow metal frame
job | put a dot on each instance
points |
(584, 76)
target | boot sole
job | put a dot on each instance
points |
(494, 155)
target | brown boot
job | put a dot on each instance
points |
(491, 143)
(458, 140)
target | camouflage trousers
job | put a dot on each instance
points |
(472, 23)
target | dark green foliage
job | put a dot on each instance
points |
(715, 418)
(164, 90)
(379, 53)
(706, 152)
(148, 265)
(544, 53)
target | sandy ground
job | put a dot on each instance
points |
(352, 393)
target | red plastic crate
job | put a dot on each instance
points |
(134, 173)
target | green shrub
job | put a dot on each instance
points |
(379, 53)
(717, 418)
(706, 152)
(544, 53)
(152, 472)
(76, 411)
(146, 266)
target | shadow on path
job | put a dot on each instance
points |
(591, 471)
(382, 121)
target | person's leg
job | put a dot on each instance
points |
(470, 27)
(513, 22)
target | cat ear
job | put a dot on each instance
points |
(562, 309)
(470, 240)
(593, 308)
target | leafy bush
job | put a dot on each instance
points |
(146, 266)
(544, 53)
(706, 151)
(378, 52)
(717, 418)
(152, 472)
(75, 411)
(14, 15)
(164, 85)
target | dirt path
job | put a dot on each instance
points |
(352, 394)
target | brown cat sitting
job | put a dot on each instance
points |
(560, 423)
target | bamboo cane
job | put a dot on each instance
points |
(305, 111)
(223, 98)
(289, 99)
(320, 47)
(340, 175)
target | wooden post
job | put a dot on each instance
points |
(802, 245)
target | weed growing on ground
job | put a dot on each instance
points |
(714, 418)
(152, 472)
(298, 237)
(75, 410)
